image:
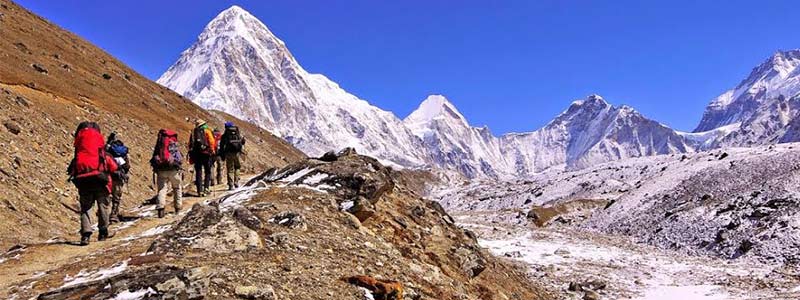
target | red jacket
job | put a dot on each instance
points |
(112, 167)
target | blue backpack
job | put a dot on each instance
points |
(117, 149)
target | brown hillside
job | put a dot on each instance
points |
(50, 80)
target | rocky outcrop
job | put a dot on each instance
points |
(300, 231)
(158, 282)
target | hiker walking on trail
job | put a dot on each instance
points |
(216, 161)
(202, 147)
(167, 164)
(90, 170)
(119, 152)
(231, 147)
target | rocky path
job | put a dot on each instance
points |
(27, 270)
(576, 263)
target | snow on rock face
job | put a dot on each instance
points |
(591, 132)
(238, 66)
(732, 202)
(777, 76)
(453, 144)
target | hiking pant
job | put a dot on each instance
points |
(202, 172)
(87, 200)
(233, 164)
(116, 198)
(217, 166)
(173, 178)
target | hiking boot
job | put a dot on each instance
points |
(177, 211)
(104, 235)
(85, 238)
(160, 212)
(230, 187)
(114, 216)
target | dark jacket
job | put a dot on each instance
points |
(225, 141)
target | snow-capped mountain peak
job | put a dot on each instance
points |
(434, 107)
(240, 67)
(778, 75)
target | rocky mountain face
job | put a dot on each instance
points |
(50, 80)
(238, 66)
(761, 110)
(340, 227)
(732, 203)
(774, 77)
(589, 132)
(453, 144)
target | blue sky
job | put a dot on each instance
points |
(511, 65)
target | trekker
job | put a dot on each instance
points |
(119, 152)
(231, 147)
(202, 147)
(216, 161)
(167, 163)
(90, 170)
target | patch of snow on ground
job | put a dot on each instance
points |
(367, 293)
(688, 292)
(632, 271)
(135, 295)
(239, 196)
(346, 205)
(297, 175)
(543, 252)
(83, 277)
(150, 232)
(315, 179)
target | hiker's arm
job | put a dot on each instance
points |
(127, 166)
(212, 141)
(112, 165)
(71, 166)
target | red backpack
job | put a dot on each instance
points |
(167, 154)
(89, 165)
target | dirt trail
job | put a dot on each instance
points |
(34, 268)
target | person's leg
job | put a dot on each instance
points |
(103, 210)
(116, 199)
(198, 175)
(236, 166)
(207, 174)
(213, 162)
(177, 190)
(218, 166)
(86, 201)
(230, 168)
(161, 183)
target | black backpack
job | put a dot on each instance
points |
(200, 142)
(234, 142)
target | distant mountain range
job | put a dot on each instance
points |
(240, 67)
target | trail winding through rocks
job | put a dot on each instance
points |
(34, 268)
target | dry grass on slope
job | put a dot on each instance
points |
(50, 80)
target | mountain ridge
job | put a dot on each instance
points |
(313, 113)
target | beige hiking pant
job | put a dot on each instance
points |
(87, 201)
(173, 178)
